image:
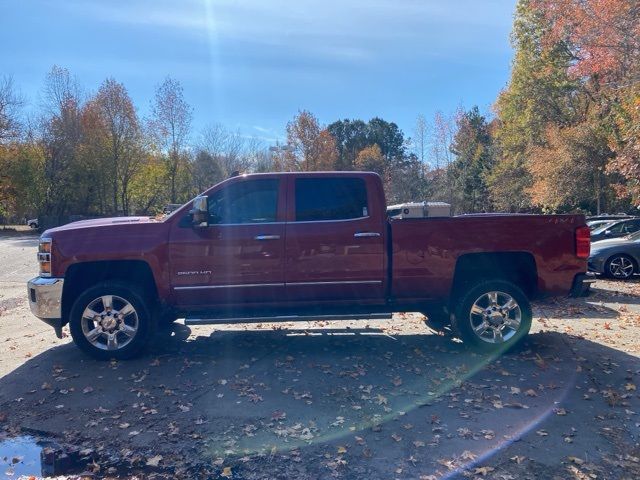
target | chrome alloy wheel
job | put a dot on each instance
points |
(495, 317)
(109, 322)
(621, 267)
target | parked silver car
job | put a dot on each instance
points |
(616, 257)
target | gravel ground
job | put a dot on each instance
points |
(379, 399)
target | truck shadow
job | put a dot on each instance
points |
(383, 402)
(588, 308)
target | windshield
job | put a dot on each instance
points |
(603, 228)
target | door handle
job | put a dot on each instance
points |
(366, 234)
(267, 237)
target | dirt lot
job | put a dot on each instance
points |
(344, 400)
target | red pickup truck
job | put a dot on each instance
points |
(288, 246)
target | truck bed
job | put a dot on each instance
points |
(425, 252)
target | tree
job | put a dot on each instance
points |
(10, 105)
(602, 36)
(371, 159)
(226, 148)
(439, 181)
(350, 137)
(171, 125)
(309, 147)
(572, 159)
(148, 194)
(420, 142)
(472, 146)
(388, 136)
(540, 91)
(121, 139)
(626, 144)
(207, 170)
(61, 136)
(421, 138)
(22, 183)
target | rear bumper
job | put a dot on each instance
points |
(45, 300)
(582, 284)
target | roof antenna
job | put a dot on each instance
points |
(235, 173)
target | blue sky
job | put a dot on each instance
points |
(251, 64)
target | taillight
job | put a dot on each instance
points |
(583, 242)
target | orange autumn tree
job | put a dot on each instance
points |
(309, 146)
(602, 35)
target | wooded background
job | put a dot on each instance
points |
(563, 136)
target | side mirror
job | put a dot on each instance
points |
(607, 232)
(200, 211)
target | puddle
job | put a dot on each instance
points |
(20, 456)
(26, 456)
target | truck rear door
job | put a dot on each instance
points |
(334, 246)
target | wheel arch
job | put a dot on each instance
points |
(517, 267)
(83, 275)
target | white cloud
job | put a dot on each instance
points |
(350, 29)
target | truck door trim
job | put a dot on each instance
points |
(345, 282)
(239, 285)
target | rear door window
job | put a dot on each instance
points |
(322, 199)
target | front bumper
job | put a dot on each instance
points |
(582, 284)
(596, 264)
(45, 300)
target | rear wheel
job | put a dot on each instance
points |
(620, 266)
(493, 316)
(110, 320)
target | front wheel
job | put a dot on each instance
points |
(493, 316)
(110, 320)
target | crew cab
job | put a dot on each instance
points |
(287, 246)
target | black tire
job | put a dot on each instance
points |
(624, 260)
(131, 345)
(496, 321)
(439, 321)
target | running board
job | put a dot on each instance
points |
(287, 318)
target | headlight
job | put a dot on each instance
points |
(44, 257)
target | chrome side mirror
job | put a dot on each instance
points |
(200, 211)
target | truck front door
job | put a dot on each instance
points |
(239, 257)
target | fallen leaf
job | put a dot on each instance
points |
(154, 461)
(483, 470)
